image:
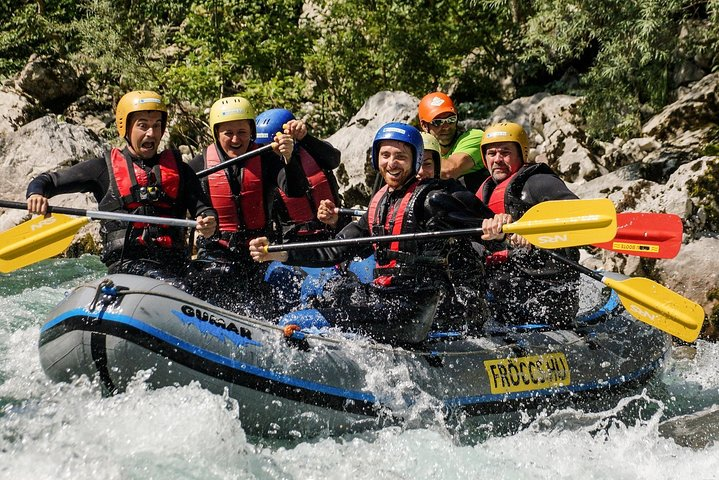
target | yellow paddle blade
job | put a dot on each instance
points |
(567, 223)
(659, 307)
(36, 240)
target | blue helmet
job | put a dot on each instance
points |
(270, 122)
(400, 132)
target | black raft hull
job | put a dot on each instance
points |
(305, 383)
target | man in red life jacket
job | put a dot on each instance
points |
(411, 278)
(298, 215)
(242, 194)
(136, 179)
(526, 285)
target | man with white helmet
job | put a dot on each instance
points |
(136, 179)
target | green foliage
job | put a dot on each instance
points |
(637, 45)
(34, 27)
(417, 47)
(323, 59)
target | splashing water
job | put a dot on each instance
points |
(58, 431)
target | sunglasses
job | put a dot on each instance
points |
(438, 122)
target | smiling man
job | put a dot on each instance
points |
(243, 195)
(136, 179)
(412, 279)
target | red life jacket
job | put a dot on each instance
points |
(237, 210)
(394, 224)
(304, 209)
(157, 189)
(131, 178)
(496, 199)
(496, 204)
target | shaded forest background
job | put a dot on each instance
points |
(322, 59)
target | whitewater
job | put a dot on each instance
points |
(70, 431)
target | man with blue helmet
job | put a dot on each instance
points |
(298, 214)
(413, 280)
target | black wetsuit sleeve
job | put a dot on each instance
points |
(197, 163)
(543, 187)
(196, 201)
(327, 156)
(90, 176)
(328, 256)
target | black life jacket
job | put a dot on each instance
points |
(535, 262)
(402, 216)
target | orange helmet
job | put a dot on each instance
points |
(433, 104)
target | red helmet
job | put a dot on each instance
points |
(434, 104)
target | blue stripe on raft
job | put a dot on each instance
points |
(609, 306)
(244, 367)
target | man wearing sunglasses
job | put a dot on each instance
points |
(461, 155)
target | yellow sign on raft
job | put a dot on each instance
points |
(507, 375)
(635, 247)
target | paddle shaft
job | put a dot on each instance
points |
(342, 242)
(577, 266)
(355, 212)
(660, 234)
(96, 215)
(233, 161)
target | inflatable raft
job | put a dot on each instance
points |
(289, 382)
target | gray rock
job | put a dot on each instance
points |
(694, 109)
(15, 110)
(53, 82)
(354, 140)
(41, 145)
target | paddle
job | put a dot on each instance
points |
(42, 238)
(650, 302)
(651, 235)
(36, 240)
(553, 224)
(233, 161)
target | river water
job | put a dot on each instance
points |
(58, 431)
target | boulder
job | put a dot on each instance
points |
(354, 140)
(41, 145)
(694, 272)
(51, 81)
(15, 110)
(693, 110)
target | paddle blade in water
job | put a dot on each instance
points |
(36, 240)
(567, 223)
(659, 307)
(651, 235)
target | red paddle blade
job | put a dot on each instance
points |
(652, 235)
